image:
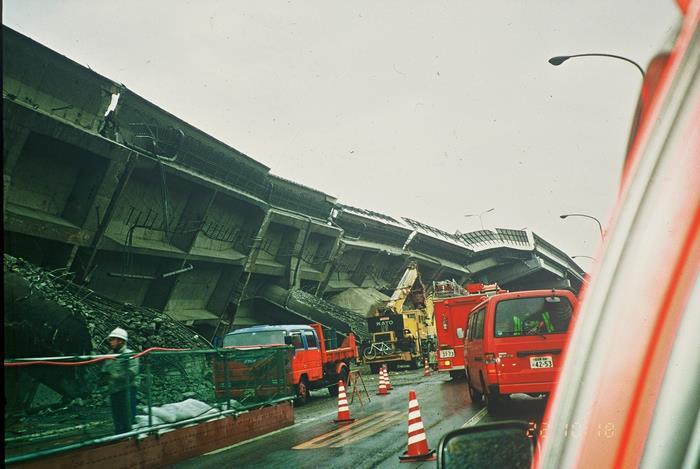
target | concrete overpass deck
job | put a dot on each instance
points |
(146, 209)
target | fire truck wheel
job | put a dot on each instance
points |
(303, 391)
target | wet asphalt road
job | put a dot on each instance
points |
(377, 437)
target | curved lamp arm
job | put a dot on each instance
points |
(560, 59)
(600, 227)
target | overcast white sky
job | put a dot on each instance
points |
(425, 109)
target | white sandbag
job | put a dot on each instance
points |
(164, 413)
(187, 409)
(192, 408)
(142, 421)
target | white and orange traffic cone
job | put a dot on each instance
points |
(426, 369)
(386, 379)
(343, 409)
(417, 441)
(382, 391)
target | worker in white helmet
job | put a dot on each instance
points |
(122, 378)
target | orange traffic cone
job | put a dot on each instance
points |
(426, 369)
(386, 379)
(343, 409)
(417, 441)
(382, 384)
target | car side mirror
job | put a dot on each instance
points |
(460, 333)
(499, 444)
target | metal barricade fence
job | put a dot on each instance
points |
(64, 401)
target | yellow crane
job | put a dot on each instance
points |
(403, 328)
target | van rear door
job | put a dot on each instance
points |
(529, 334)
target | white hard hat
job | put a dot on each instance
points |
(119, 333)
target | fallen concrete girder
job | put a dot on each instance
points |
(315, 309)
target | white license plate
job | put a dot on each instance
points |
(447, 353)
(541, 362)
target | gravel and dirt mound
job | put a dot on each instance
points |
(45, 311)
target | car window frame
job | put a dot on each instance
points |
(480, 316)
(312, 333)
(294, 332)
(661, 150)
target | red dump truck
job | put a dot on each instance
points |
(451, 305)
(314, 366)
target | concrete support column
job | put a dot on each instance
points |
(71, 256)
(115, 181)
(295, 260)
(239, 283)
(257, 242)
(222, 300)
(333, 259)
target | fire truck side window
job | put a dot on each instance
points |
(479, 326)
(311, 341)
(296, 339)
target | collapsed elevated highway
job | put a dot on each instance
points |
(143, 208)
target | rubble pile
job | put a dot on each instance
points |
(147, 327)
(177, 377)
(356, 322)
(51, 402)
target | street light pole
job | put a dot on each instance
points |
(560, 59)
(480, 215)
(600, 227)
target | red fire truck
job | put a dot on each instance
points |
(452, 304)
